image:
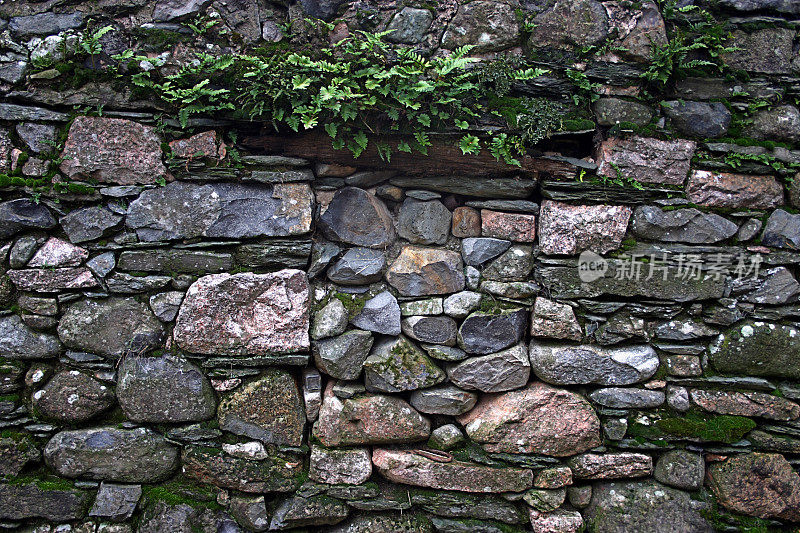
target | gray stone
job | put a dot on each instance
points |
(443, 400)
(17, 113)
(681, 469)
(322, 9)
(330, 465)
(357, 217)
(613, 111)
(116, 502)
(590, 364)
(329, 321)
(72, 396)
(193, 261)
(625, 398)
(89, 223)
(488, 26)
(45, 23)
(698, 119)
(757, 349)
(431, 306)
(773, 286)
(37, 137)
(683, 329)
(681, 225)
(781, 6)
(480, 186)
(479, 250)
(112, 327)
(20, 214)
(768, 50)
(446, 437)
(424, 222)
(298, 511)
(101, 265)
(554, 320)
(368, 178)
(167, 10)
(250, 511)
(165, 305)
(18, 341)
(445, 353)
(396, 364)
(23, 249)
(545, 500)
(123, 283)
(409, 25)
(380, 314)
(567, 23)
(515, 264)
(358, 266)
(52, 280)
(164, 389)
(678, 398)
(484, 333)
(322, 253)
(781, 123)
(342, 357)
(426, 271)
(505, 370)
(615, 428)
(749, 230)
(782, 230)
(646, 159)
(431, 329)
(111, 454)
(461, 304)
(479, 508)
(28, 500)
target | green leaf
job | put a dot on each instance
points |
(424, 119)
(331, 128)
(469, 144)
(300, 82)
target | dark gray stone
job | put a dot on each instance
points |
(72, 396)
(123, 283)
(782, 230)
(781, 6)
(368, 178)
(89, 223)
(681, 225)
(356, 217)
(683, 329)
(116, 502)
(101, 265)
(424, 222)
(396, 365)
(358, 266)
(698, 119)
(443, 400)
(45, 23)
(502, 371)
(342, 357)
(612, 111)
(321, 9)
(193, 261)
(749, 230)
(480, 186)
(781, 123)
(37, 137)
(274, 254)
(409, 25)
(774, 286)
(167, 10)
(298, 511)
(768, 50)
(479, 250)
(484, 333)
(755, 348)
(18, 341)
(488, 26)
(445, 353)
(23, 250)
(681, 469)
(590, 364)
(165, 305)
(20, 113)
(380, 314)
(515, 264)
(20, 214)
(329, 321)
(322, 253)
(625, 398)
(250, 512)
(431, 329)
(28, 500)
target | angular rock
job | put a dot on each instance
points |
(505, 370)
(192, 261)
(782, 230)
(446, 437)
(567, 23)
(55, 280)
(645, 159)
(488, 26)
(268, 409)
(554, 320)
(28, 500)
(466, 222)
(58, 253)
(681, 225)
(409, 25)
(23, 249)
(615, 111)
(380, 314)
(721, 189)
(431, 306)
(101, 265)
(553, 478)
(123, 283)
(445, 353)
(611, 465)
(113, 327)
(250, 512)
(515, 264)
(16, 453)
(18, 341)
(212, 319)
(757, 349)
(410, 468)
(431, 329)
(46, 23)
(20, 214)
(330, 465)
(698, 119)
(116, 502)
(536, 419)
(72, 396)
(780, 123)
(568, 229)
(781, 6)
(356, 217)
(342, 357)
(89, 223)
(479, 250)
(774, 286)
(165, 305)
(768, 50)
(516, 227)
(297, 511)
(112, 150)
(625, 398)
(461, 304)
(680, 469)
(201, 145)
(164, 389)
(747, 403)
(749, 230)
(358, 266)
(425, 271)
(443, 400)
(111, 454)
(590, 364)
(484, 333)
(396, 364)
(277, 473)
(560, 521)
(424, 222)
(329, 321)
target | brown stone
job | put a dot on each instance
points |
(112, 150)
(554, 320)
(58, 253)
(757, 484)
(201, 145)
(536, 419)
(745, 404)
(509, 226)
(571, 229)
(245, 314)
(410, 468)
(645, 159)
(466, 222)
(368, 419)
(611, 465)
(424, 271)
(723, 189)
(47, 280)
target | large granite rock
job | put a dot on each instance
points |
(18, 341)
(357, 217)
(424, 222)
(342, 357)
(487, 25)
(591, 364)
(517, 227)
(681, 225)
(28, 500)
(72, 396)
(331, 465)
(424, 271)
(409, 25)
(126, 455)
(505, 370)
(571, 229)
(278, 472)
(536, 419)
(17, 215)
(611, 465)
(245, 314)
(396, 364)
(57, 253)
(55, 280)
(757, 349)
(112, 150)
(646, 159)
(722, 189)
(487, 332)
(113, 327)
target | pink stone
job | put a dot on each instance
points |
(558, 521)
(611, 465)
(52, 280)
(201, 145)
(112, 150)
(58, 253)
(466, 222)
(517, 227)
(536, 419)
(745, 404)
(245, 314)
(553, 478)
(645, 159)
(411, 468)
(571, 229)
(722, 189)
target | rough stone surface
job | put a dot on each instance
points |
(484, 333)
(89, 223)
(614, 111)
(479, 250)
(342, 357)
(409, 25)
(757, 349)
(645, 159)
(356, 217)
(116, 502)
(680, 469)
(380, 314)
(516, 227)
(424, 271)
(554, 320)
(358, 266)
(505, 370)
(461, 304)
(396, 365)
(297, 511)
(443, 400)
(20, 214)
(698, 119)
(329, 321)
(569, 229)
(57, 253)
(431, 329)
(18, 341)
(277, 473)
(591, 364)
(559, 521)
(627, 398)
(681, 225)
(721, 189)
(488, 26)
(466, 222)
(212, 319)
(55, 280)
(72, 396)
(782, 230)
(424, 222)
(331, 465)
(567, 23)
(749, 403)
(18, 502)
(611, 465)
(192, 261)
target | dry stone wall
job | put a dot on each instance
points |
(197, 334)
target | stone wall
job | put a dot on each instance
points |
(201, 334)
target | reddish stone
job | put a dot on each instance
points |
(112, 150)
(245, 314)
(410, 468)
(368, 419)
(757, 484)
(333, 170)
(52, 280)
(559, 521)
(745, 404)
(510, 226)
(611, 465)
(722, 189)
(58, 253)
(466, 222)
(571, 229)
(645, 159)
(424, 271)
(201, 145)
(553, 478)
(536, 419)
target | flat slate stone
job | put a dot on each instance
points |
(505, 370)
(279, 472)
(484, 333)
(358, 266)
(681, 225)
(28, 500)
(591, 364)
(55, 280)
(89, 223)
(443, 399)
(480, 186)
(192, 261)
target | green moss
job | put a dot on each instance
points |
(723, 520)
(354, 303)
(44, 482)
(724, 428)
(9, 398)
(496, 307)
(182, 491)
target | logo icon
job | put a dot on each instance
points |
(591, 266)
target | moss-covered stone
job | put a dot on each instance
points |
(758, 349)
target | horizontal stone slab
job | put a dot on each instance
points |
(174, 261)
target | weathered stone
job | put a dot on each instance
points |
(511, 226)
(443, 400)
(164, 389)
(28, 500)
(281, 253)
(553, 478)
(250, 512)
(161, 516)
(515, 264)
(428, 307)
(445, 353)
(545, 500)
(369, 523)
(58, 253)
(782, 230)
(396, 364)
(611, 465)
(567, 24)
(554, 320)
(193, 261)
(331, 465)
(342, 357)
(113, 327)
(479, 507)
(201, 145)
(409, 25)
(111, 454)
(479, 250)
(268, 409)
(424, 222)
(625, 398)
(424, 271)
(123, 283)
(412, 469)
(479, 186)
(614, 111)
(514, 290)
(767, 51)
(773, 286)
(568, 229)
(89, 223)
(368, 419)
(505, 370)
(645, 159)
(446, 437)
(18, 341)
(757, 484)
(746, 403)
(277, 473)
(757, 349)
(461, 304)
(212, 319)
(329, 321)
(484, 333)
(781, 6)
(781, 123)
(720, 189)
(358, 266)
(488, 26)
(297, 511)
(431, 329)
(380, 314)
(681, 225)
(23, 249)
(681, 469)
(101, 265)
(16, 453)
(536, 419)
(116, 502)
(590, 364)
(698, 119)
(165, 305)
(356, 217)
(46, 23)
(20, 214)
(55, 280)
(644, 506)
(72, 396)
(112, 150)
(560, 521)
(466, 222)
